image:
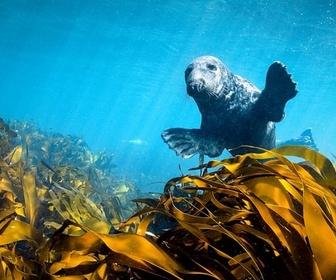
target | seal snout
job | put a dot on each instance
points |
(195, 85)
(195, 81)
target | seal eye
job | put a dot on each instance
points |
(212, 67)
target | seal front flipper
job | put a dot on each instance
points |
(189, 142)
(278, 90)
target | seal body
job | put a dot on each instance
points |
(234, 111)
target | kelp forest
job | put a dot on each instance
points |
(66, 214)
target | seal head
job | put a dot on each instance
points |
(204, 78)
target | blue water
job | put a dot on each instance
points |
(112, 71)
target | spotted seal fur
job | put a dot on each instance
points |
(234, 111)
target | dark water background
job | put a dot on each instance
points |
(112, 71)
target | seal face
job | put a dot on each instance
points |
(234, 111)
(204, 78)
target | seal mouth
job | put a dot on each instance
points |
(200, 90)
(195, 87)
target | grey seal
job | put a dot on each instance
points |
(234, 111)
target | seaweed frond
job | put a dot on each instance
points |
(255, 216)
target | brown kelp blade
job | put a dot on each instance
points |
(255, 216)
